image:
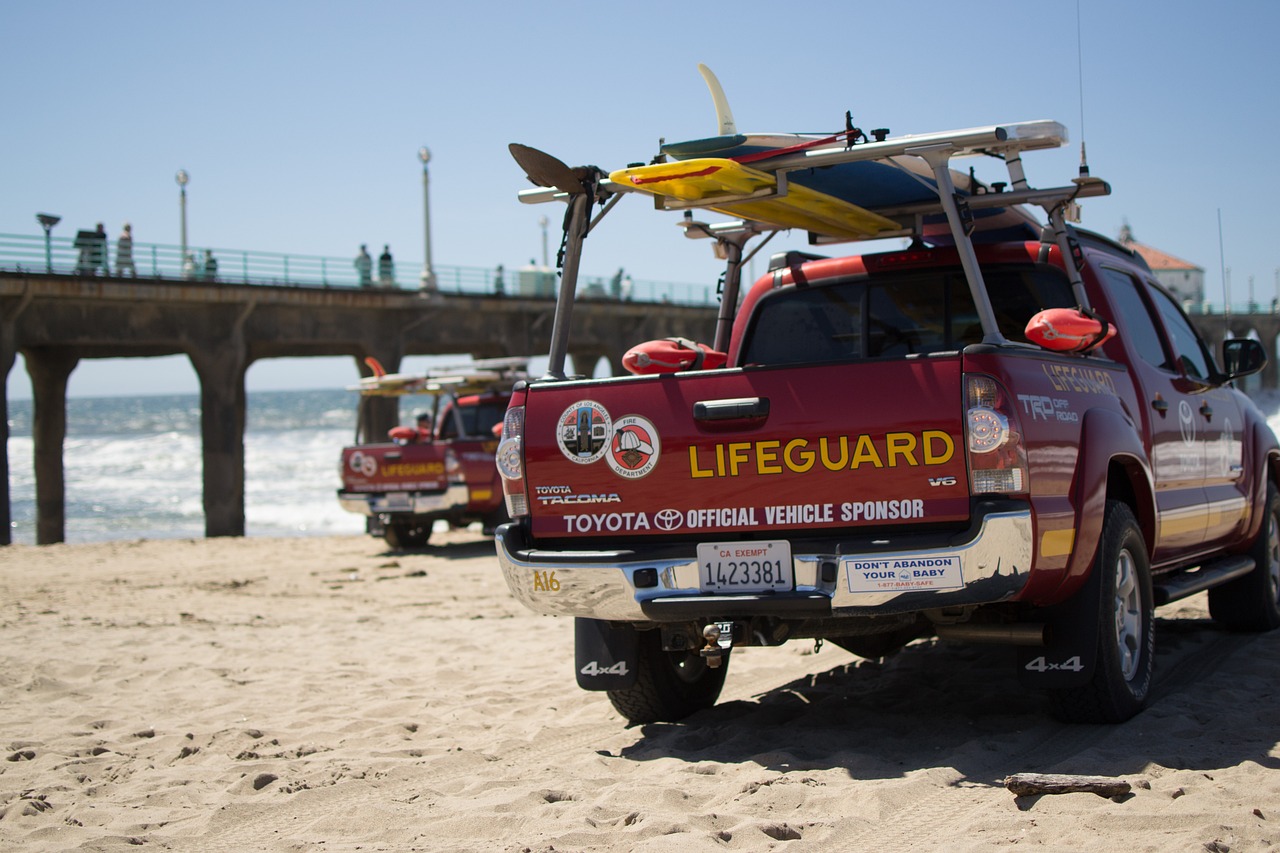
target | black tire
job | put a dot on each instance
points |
(669, 685)
(407, 534)
(1125, 611)
(1252, 602)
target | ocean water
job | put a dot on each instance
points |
(133, 466)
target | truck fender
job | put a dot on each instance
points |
(1107, 437)
(1068, 657)
(605, 655)
(1260, 446)
(1069, 654)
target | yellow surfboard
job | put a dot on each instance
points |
(727, 186)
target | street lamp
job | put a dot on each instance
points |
(47, 221)
(542, 220)
(428, 274)
(182, 177)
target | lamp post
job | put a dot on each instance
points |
(182, 177)
(542, 220)
(428, 274)
(47, 221)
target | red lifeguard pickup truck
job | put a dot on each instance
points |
(444, 473)
(1002, 432)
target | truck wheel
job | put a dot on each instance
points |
(407, 534)
(1125, 623)
(669, 685)
(1252, 602)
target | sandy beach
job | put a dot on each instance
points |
(326, 694)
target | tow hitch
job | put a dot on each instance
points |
(719, 637)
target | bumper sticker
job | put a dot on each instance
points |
(903, 574)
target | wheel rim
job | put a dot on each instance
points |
(1128, 609)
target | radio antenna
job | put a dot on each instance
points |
(1226, 281)
(1084, 160)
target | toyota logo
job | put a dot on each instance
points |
(668, 519)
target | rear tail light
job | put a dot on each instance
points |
(997, 455)
(510, 461)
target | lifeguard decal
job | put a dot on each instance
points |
(832, 453)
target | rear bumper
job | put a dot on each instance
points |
(986, 564)
(405, 503)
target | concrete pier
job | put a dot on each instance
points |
(55, 321)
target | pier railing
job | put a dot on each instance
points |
(84, 256)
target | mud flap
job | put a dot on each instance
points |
(605, 656)
(1070, 653)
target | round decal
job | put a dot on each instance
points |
(584, 428)
(363, 464)
(635, 447)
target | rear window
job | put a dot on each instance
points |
(477, 420)
(896, 314)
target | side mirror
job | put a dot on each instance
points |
(1243, 357)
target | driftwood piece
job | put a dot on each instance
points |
(1031, 784)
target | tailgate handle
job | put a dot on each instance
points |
(740, 408)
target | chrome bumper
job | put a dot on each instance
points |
(405, 503)
(992, 565)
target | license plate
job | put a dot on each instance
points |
(398, 502)
(745, 566)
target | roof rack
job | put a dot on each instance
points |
(470, 378)
(772, 201)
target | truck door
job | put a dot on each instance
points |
(1170, 410)
(1217, 424)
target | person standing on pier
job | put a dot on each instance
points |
(98, 251)
(364, 266)
(124, 252)
(386, 268)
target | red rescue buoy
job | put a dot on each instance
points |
(669, 355)
(1068, 330)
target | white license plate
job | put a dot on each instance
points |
(398, 502)
(745, 566)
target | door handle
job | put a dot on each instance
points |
(1206, 410)
(1160, 404)
(741, 408)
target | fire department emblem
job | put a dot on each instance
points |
(634, 448)
(584, 432)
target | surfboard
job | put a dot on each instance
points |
(453, 379)
(734, 189)
(866, 184)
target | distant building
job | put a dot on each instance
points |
(1184, 279)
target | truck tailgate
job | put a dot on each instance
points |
(748, 451)
(392, 467)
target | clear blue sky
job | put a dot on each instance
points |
(299, 123)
